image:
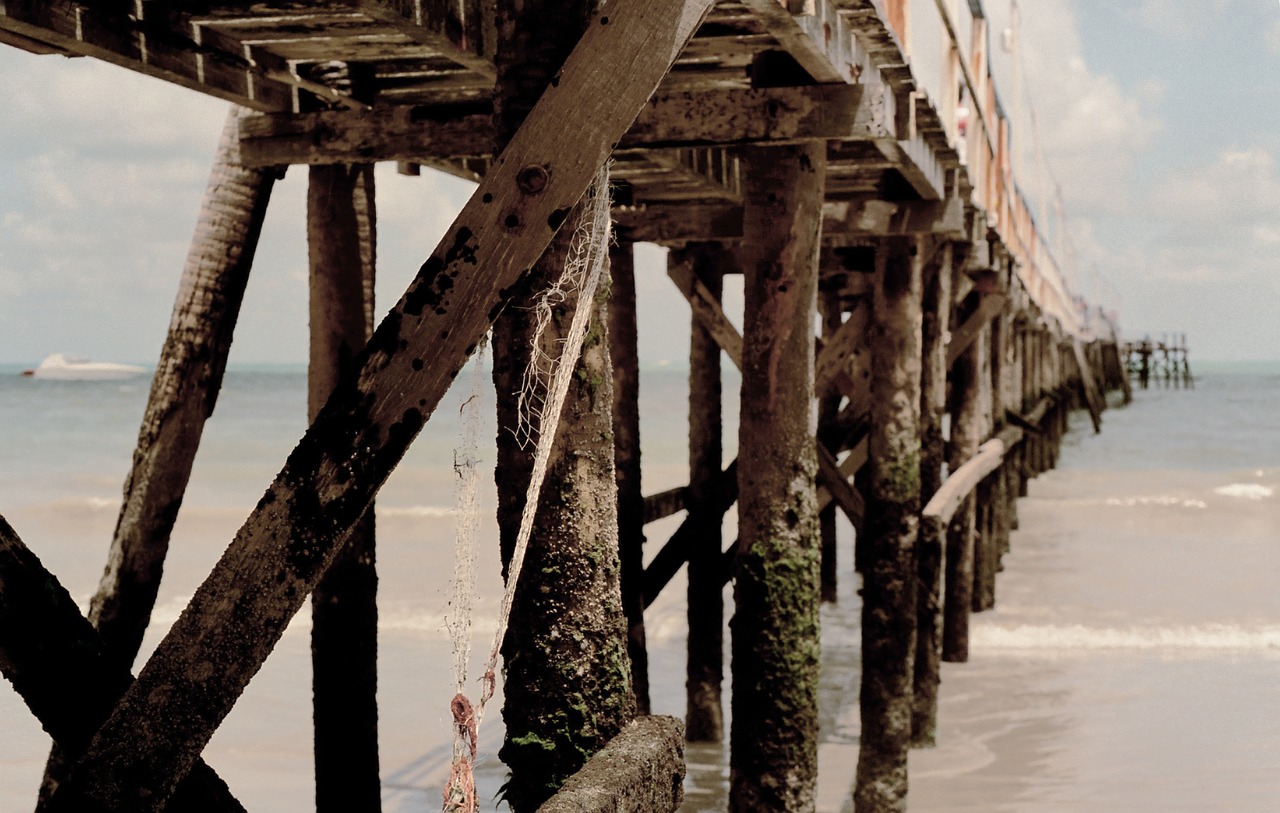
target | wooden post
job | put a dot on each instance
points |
(967, 421)
(239, 613)
(57, 664)
(893, 508)
(830, 311)
(561, 703)
(986, 559)
(930, 543)
(774, 746)
(704, 675)
(624, 353)
(344, 610)
(183, 392)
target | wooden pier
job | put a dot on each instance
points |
(802, 144)
(1163, 362)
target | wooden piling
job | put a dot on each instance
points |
(624, 355)
(893, 508)
(967, 420)
(344, 611)
(773, 739)
(931, 540)
(704, 669)
(830, 310)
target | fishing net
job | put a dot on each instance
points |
(542, 394)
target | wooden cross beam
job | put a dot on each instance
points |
(842, 221)
(815, 34)
(964, 336)
(59, 666)
(235, 618)
(721, 116)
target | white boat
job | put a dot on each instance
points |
(62, 367)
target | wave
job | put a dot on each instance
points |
(1174, 640)
(1162, 499)
(1245, 491)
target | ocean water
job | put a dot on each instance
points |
(1132, 663)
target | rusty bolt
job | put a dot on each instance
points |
(532, 179)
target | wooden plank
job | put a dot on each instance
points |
(708, 311)
(884, 219)
(460, 31)
(670, 119)
(964, 336)
(239, 613)
(946, 501)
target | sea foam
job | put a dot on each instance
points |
(1188, 640)
(1245, 491)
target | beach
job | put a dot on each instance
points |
(1132, 662)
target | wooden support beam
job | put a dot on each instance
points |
(947, 500)
(344, 609)
(665, 503)
(462, 30)
(963, 337)
(841, 491)
(944, 218)
(709, 491)
(773, 738)
(625, 362)
(275, 560)
(893, 507)
(671, 119)
(59, 667)
(1088, 384)
(936, 323)
(707, 310)
(667, 562)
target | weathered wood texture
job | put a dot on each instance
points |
(967, 421)
(985, 556)
(344, 609)
(670, 119)
(640, 771)
(184, 391)
(830, 312)
(936, 322)
(58, 665)
(277, 557)
(946, 502)
(773, 737)
(697, 266)
(893, 507)
(1088, 384)
(624, 353)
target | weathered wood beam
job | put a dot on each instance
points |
(667, 562)
(462, 31)
(239, 613)
(1092, 398)
(944, 218)
(963, 337)
(665, 503)
(641, 770)
(773, 733)
(841, 491)
(671, 119)
(819, 39)
(960, 484)
(707, 310)
(115, 33)
(838, 351)
(893, 506)
(59, 667)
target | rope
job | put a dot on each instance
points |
(541, 398)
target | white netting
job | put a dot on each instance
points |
(544, 387)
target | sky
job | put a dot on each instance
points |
(1159, 120)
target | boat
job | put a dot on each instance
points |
(63, 367)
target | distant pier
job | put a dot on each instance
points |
(1163, 362)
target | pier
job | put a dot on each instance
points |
(849, 158)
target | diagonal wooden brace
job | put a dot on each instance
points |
(236, 617)
(59, 666)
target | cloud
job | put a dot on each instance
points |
(1232, 200)
(1179, 19)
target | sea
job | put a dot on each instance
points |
(1132, 662)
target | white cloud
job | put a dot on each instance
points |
(1179, 19)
